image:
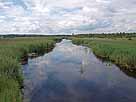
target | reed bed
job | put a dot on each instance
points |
(12, 51)
(120, 51)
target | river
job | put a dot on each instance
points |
(71, 73)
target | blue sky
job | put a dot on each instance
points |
(67, 16)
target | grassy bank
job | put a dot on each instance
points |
(12, 51)
(120, 51)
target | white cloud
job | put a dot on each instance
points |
(63, 16)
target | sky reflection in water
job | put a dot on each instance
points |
(72, 73)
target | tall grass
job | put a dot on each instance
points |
(120, 51)
(11, 53)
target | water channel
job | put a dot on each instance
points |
(71, 73)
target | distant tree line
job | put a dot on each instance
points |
(91, 35)
(107, 35)
(29, 35)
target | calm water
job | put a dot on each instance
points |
(72, 73)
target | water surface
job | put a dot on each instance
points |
(72, 73)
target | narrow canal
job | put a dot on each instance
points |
(71, 73)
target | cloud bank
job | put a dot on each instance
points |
(66, 17)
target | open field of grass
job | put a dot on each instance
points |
(121, 51)
(12, 51)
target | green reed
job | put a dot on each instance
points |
(11, 53)
(120, 51)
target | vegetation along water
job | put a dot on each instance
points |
(15, 51)
(12, 53)
(121, 51)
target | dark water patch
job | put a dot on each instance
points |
(71, 73)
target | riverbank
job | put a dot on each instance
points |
(120, 51)
(12, 52)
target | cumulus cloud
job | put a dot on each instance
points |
(63, 16)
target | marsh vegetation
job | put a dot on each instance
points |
(12, 53)
(121, 51)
